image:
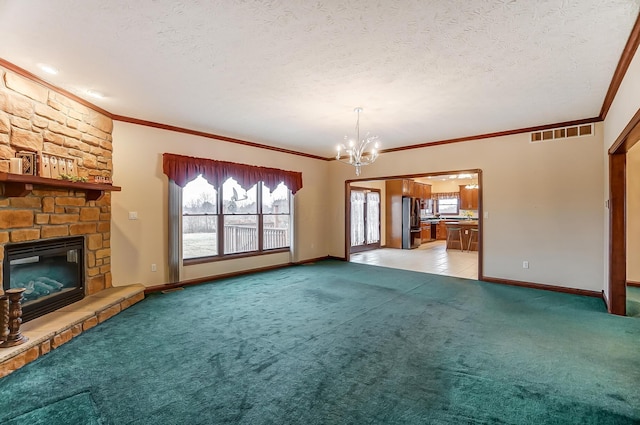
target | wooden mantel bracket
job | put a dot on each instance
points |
(17, 189)
(22, 184)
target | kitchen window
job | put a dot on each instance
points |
(448, 206)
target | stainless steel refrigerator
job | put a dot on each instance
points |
(410, 222)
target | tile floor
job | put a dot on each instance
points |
(633, 301)
(432, 257)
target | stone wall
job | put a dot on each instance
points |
(35, 118)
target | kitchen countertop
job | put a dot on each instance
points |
(438, 219)
(463, 222)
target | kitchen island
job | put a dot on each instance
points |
(466, 226)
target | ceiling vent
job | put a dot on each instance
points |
(562, 133)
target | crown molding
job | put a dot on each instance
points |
(623, 65)
(183, 130)
(496, 134)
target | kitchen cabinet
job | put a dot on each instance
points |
(441, 230)
(468, 198)
(413, 189)
(409, 188)
(425, 232)
(394, 190)
(426, 191)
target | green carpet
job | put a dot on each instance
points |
(77, 409)
(342, 343)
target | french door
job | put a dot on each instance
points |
(365, 219)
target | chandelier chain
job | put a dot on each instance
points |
(357, 153)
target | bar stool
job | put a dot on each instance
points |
(451, 233)
(474, 232)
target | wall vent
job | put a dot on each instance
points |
(562, 133)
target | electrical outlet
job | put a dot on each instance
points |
(133, 215)
(486, 214)
(154, 268)
(525, 264)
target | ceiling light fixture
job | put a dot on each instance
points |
(356, 152)
(95, 94)
(48, 68)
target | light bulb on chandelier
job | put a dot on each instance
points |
(356, 153)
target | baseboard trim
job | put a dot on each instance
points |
(632, 283)
(332, 257)
(543, 286)
(190, 282)
(312, 260)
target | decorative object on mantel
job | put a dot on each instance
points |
(28, 162)
(4, 317)
(100, 179)
(356, 152)
(71, 178)
(55, 166)
(15, 318)
(15, 165)
(44, 165)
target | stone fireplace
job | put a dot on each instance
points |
(37, 118)
(52, 231)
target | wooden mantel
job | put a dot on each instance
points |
(22, 185)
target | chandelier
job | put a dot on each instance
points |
(359, 152)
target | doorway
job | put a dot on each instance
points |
(365, 219)
(616, 291)
(434, 253)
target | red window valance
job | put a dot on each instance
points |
(182, 169)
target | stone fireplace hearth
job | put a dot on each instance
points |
(54, 329)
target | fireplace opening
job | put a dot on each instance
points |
(52, 271)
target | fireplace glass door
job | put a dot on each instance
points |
(51, 271)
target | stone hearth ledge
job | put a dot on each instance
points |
(50, 331)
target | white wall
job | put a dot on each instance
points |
(137, 163)
(544, 202)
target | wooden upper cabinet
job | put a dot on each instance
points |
(426, 191)
(408, 187)
(415, 189)
(468, 198)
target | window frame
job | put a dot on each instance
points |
(437, 209)
(221, 256)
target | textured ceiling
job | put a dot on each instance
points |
(289, 73)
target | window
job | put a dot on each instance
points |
(250, 221)
(447, 206)
(275, 217)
